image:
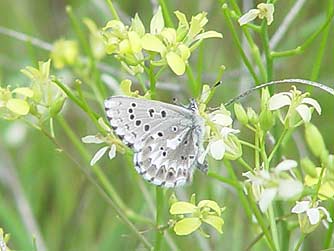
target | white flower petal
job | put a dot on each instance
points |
(225, 131)
(301, 207)
(217, 149)
(326, 213)
(314, 103)
(222, 119)
(98, 155)
(285, 165)
(112, 152)
(248, 17)
(304, 112)
(91, 139)
(279, 100)
(313, 215)
(289, 188)
(266, 198)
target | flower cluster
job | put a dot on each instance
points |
(48, 99)
(263, 10)
(220, 135)
(275, 183)
(110, 143)
(42, 98)
(189, 217)
(161, 46)
(310, 214)
(298, 103)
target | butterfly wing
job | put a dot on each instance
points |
(164, 137)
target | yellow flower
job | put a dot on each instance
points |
(13, 103)
(192, 216)
(64, 52)
(326, 189)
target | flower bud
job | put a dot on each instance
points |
(309, 167)
(267, 120)
(315, 140)
(241, 114)
(252, 116)
(56, 106)
(233, 147)
(304, 223)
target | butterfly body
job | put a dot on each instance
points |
(167, 139)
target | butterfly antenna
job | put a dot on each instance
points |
(284, 81)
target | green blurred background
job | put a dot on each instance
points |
(43, 193)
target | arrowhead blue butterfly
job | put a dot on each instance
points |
(166, 139)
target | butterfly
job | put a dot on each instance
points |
(167, 139)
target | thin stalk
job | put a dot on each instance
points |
(329, 233)
(193, 84)
(159, 193)
(260, 221)
(112, 9)
(321, 50)
(240, 191)
(300, 242)
(250, 145)
(166, 13)
(237, 42)
(273, 227)
(245, 164)
(97, 86)
(266, 48)
(225, 180)
(278, 144)
(152, 81)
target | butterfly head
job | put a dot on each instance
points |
(193, 106)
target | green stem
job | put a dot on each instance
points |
(260, 220)
(273, 227)
(112, 9)
(245, 164)
(278, 144)
(329, 234)
(96, 85)
(300, 242)
(240, 190)
(250, 145)
(321, 50)
(237, 42)
(193, 84)
(166, 13)
(152, 81)
(225, 180)
(159, 193)
(269, 59)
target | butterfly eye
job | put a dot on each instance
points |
(163, 114)
(130, 110)
(133, 104)
(174, 128)
(132, 117)
(160, 134)
(164, 154)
